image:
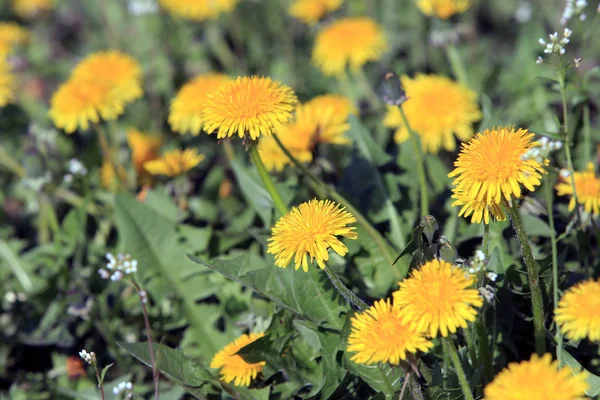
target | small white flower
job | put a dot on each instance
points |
(564, 173)
(89, 358)
(492, 276)
(539, 60)
(124, 389)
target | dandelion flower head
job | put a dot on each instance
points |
(233, 367)
(248, 105)
(174, 163)
(443, 9)
(587, 185)
(198, 10)
(536, 379)
(31, 8)
(348, 41)
(311, 11)
(143, 148)
(437, 298)
(379, 335)
(11, 35)
(578, 311)
(7, 83)
(330, 113)
(492, 167)
(437, 109)
(478, 209)
(185, 112)
(309, 231)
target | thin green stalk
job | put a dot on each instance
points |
(414, 388)
(346, 87)
(344, 291)
(11, 164)
(587, 135)
(267, 181)
(534, 283)
(414, 137)
(458, 68)
(214, 36)
(367, 88)
(484, 350)
(445, 366)
(485, 246)
(107, 154)
(549, 205)
(460, 372)
(470, 339)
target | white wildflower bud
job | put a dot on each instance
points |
(492, 276)
(144, 296)
(89, 358)
(567, 33)
(564, 173)
(542, 42)
(10, 297)
(104, 274)
(122, 265)
(577, 62)
(539, 60)
(124, 390)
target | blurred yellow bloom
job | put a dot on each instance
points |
(437, 298)
(348, 41)
(437, 109)
(198, 10)
(174, 162)
(578, 312)
(443, 9)
(311, 11)
(119, 70)
(536, 379)
(379, 335)
(109, 178)
(330, 112)
(491, 168)
(248, 105)
(185, 113)
(309, 230)
(11, 35)
(233, 367)
(478, 209)
(587, 185)
(31, 8)
(77, 103)
(296, 137)
(143, 148)
(7, 83)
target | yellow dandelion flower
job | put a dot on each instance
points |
(297, 137)
(536, 379)
(436, 298)
(198, 10)
(491, 166)
(143, 148)
(437, 109)
(11, 35)
(479, 209)
(353, 41)
(443, 9)
(311, 11)
(119, 70)
(379, 335)
(31, 8)
(587, 185)
(248, 105)
(185, 113)
(233, 367)
(330, 113)
(109, 177)
(7, 83)
(174, 162)
(578, 311)
(309, 230)
(77, 103)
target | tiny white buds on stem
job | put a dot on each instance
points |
(542, 149)
(124, 390)
(89, 358)
(118, 267)
(574, 8)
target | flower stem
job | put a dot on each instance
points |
(532, 275)
(100, 383)
(471, 346)
(458, 68)
(267, 181)
(344, 291)
(367, 88)
(420, 163)
(214, 36)
(485, 245)
(155, 372)
(107, 154)
(484, 350)
(549, 205)
(460, 372)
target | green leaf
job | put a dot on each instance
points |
(103, 373)
(254, 192)
(576, 369)
(367, 146)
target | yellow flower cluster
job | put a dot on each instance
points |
(578, 311)
(311, 11)
(7, 83)
(587, 186)
(31, 8)
(443, 9)
(198, 10)
(11, 36)
(232, 367)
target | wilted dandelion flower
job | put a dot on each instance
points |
(248, 105)
(437, 109)
(536, 379)
(11, 35)
(587, 185)
(119, 70)
(491, 167)
(198, 10)
(143, 148)
(478, 209)
(77, 103)
(185, 112)
(308, 231)
(437, 298)
(348, 41)
(578, 311)
(311, 11)
(330, 113)
(233, 367)
(379, 335)
(443, 9)
(7, 83)
(31, 8)
(175, 162)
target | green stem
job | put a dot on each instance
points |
(549, 205)
(587, 140)
(346, 87)
(458, 68)
(10, 163)
(367, 88)
(485, 246)
(344, 291)
(532, 275)
(214, 36)
(460, 372)
(471, 346)
(267, 181)
(484, 350)
(414, 137)
(107, 153)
